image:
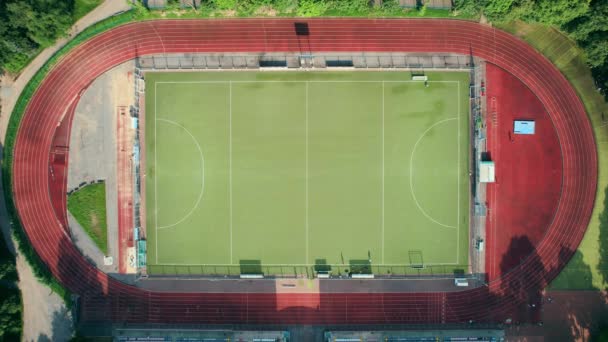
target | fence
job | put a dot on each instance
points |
(405, 61)
(293, 61)
(303, 271)
(478, 132)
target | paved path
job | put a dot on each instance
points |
(45, 315)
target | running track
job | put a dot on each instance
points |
(104, 298)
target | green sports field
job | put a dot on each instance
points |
(305, 168)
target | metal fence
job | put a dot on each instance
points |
(302, 271)
(297, 61)
(478, 132)
(405, 61)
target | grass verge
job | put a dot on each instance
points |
(570, 60)
(88, 205)
(82, 7)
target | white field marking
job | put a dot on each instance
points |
(412, 170)
(155, 177)
(305, 265)
(202, 190)
(383, 172)
(307, 82)
(306, 222)
(311, 81)
(458, 183)
(230, 159)
(182, 277)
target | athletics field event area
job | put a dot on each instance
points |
(252, 172)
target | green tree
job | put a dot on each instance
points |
(559, 12)
(498, 8)
(597, 49)
(311, 8)
(26, 26)
(10, 314)
(595, 20)
(468, 7)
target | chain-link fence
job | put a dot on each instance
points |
(303, 271)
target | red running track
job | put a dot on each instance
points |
(524, 198)
(104, 298)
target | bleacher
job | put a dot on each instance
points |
(198, 335)
(415, 336)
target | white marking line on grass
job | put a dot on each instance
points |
(202, 191)
(230, 82)
(310, 81)
(306, 222)
(155, 178)
(382, 172)
(412, 172)
(305, 265)
(458, 184)
(230, 159)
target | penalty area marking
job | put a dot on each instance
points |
(412, 173)
(202, 190)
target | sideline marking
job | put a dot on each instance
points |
(383, 157)
(202, 191)
(230, 158)
(306, 222)
(311, 265)
(458, 171)
(382, 172)
(155, 177)
(310, 81)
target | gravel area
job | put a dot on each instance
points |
(93, 148)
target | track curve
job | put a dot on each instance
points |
(104, 298)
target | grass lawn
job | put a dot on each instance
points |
(334, 169)
(88, 206)
(82, 7)
(588, 269)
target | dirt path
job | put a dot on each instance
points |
(45, 316)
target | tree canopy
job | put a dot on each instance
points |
(585, 21)
(26, 26)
